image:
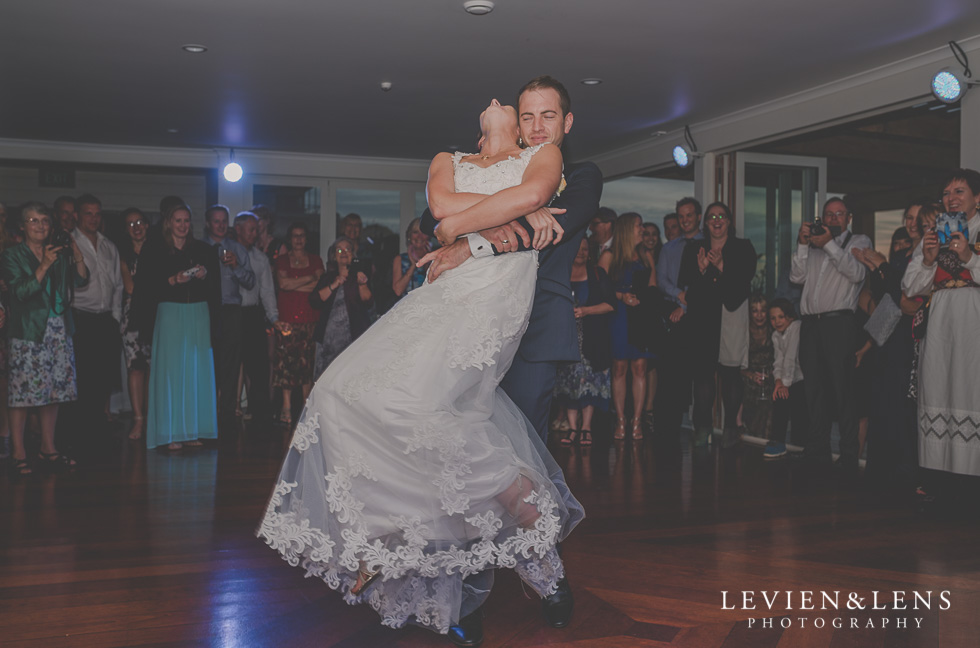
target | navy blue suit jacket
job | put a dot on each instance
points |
(551, 334)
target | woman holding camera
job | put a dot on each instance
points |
(948, 391)
(178, 281)
(40, 278)
(342, 297)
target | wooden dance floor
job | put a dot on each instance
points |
(145, 548)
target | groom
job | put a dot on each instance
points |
(544, 115)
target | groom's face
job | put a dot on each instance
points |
(540, 117)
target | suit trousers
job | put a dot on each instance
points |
(255, 359)
(827, 346)
(531, 386)
(97, 368)
(228, 357)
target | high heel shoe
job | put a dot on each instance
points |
(620, 433)
(364, 580)
(637, 432)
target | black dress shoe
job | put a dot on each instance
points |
(558, 607)
(469, 630)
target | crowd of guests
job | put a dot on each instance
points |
(665, 322)
(666, 317)
(196, 321)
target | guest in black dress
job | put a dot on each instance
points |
(717, 273)
(892, 453)
(343, 298)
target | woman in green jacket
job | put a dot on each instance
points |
(40, 278)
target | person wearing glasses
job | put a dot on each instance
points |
(343, 298)
(40, 279)
(136, 352)
(716, 275)
(832, 277)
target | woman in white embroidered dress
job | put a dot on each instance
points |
(949, 392)
(410, 469)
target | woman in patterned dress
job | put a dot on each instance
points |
(40, 279)
(135, 351)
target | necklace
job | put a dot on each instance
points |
(485, 157)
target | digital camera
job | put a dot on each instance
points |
(62, 239)
(819, 229)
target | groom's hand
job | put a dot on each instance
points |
(445, 258)
(504, 238)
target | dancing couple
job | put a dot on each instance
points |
(418, 464)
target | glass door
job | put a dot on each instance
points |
(292, 200)
(774, 195)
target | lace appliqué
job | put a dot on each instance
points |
(290, 535)
(455, 463)
(306, 434)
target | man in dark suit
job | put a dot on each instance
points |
(544, 115)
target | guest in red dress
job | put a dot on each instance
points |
(297, 273)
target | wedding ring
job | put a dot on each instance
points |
(506, 241)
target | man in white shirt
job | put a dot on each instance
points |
(259, 309)
(97, 309)
(831, 278)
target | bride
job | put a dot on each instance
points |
(409, 469)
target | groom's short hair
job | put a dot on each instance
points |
(547, 81)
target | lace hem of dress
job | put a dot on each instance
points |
(417, 577)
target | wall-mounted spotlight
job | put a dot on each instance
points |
(684, 154)
(948, 85)
(233, 170)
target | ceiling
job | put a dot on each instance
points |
(305, 75)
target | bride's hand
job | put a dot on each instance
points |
(545, 227)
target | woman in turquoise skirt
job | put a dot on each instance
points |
(179, 278)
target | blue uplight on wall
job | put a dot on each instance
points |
(681, 157)
(947, 87)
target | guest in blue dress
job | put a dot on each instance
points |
(405, 277)
(621, 261)
(179, 276)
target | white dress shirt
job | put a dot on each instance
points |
(786, 355)
(831, 276)
(919, 277)
(104, 290)
(264, 291)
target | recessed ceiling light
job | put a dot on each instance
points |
(194, 49)
(478, 7)
(592, 81)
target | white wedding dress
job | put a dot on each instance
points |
(409, 459)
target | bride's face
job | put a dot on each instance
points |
(497, 116)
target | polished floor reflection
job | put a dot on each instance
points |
(142, 548)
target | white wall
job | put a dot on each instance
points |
(117, 190)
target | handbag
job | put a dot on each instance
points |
(883, 320)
